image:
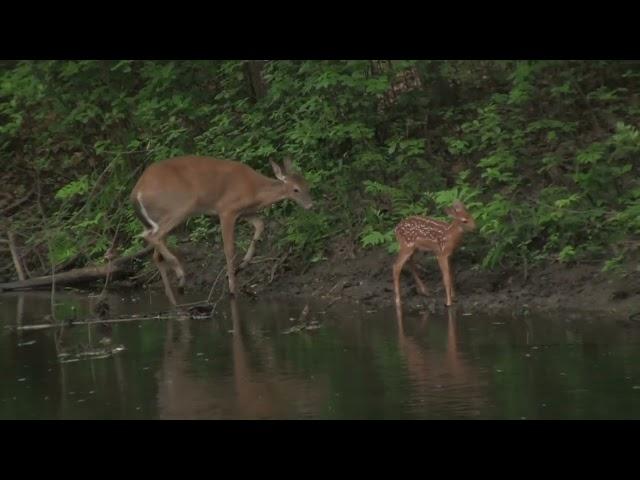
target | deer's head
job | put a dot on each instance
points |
(296, 187)
(461, 215)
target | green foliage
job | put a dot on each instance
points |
(544, 153)
(75, 187)
(201, 229)
(307, 231)
(613, 264)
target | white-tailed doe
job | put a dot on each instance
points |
(173, 190)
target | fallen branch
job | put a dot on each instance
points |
(331, 304)
(16, 256)
(8, 266)
(216, 282)
(277, 265)
(10, 209)
(79, 275)
(43, 326)
(140, 276)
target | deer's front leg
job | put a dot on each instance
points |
(443, 262)
(452, 281)
(227, 224)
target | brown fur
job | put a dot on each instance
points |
(173, 190)
(428, 234)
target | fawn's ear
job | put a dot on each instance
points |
(277, 170)
(450, 211)
(458, 206)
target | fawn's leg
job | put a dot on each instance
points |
(403, 256)
(443, 262)
(453, 280)
(421, 286)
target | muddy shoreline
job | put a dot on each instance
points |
(364, 277)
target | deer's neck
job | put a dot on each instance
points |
(454, 233)
(455, 228)
(269, 191)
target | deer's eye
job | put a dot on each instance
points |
(296, 189)
(464, 220)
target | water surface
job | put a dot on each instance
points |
(252, 361)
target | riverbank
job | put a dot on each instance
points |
(364, 277)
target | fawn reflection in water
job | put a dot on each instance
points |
(441, 382)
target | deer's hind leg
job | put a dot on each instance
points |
(156, 237)
(162, 268)
(404, 255)
(421, 286)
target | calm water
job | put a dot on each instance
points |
(359, 364)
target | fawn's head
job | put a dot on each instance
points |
(296, 187)
(461, 215)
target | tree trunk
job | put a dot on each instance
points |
(254, 72)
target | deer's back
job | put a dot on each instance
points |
(416, 228)
(195, 175)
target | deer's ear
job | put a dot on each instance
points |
(450, 211)
(277, 170)
(288, 165)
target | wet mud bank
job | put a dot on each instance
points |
(364, 277)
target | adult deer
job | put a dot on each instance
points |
(173, 190)
(440, 238)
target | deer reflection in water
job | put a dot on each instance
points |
(259, 386)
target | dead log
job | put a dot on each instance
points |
(78, 275)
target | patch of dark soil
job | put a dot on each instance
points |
(364, 277)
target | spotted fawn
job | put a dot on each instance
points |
(440, 238)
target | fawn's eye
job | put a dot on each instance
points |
(296, 189)
(464, 220)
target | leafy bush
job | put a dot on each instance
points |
(544, 153)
